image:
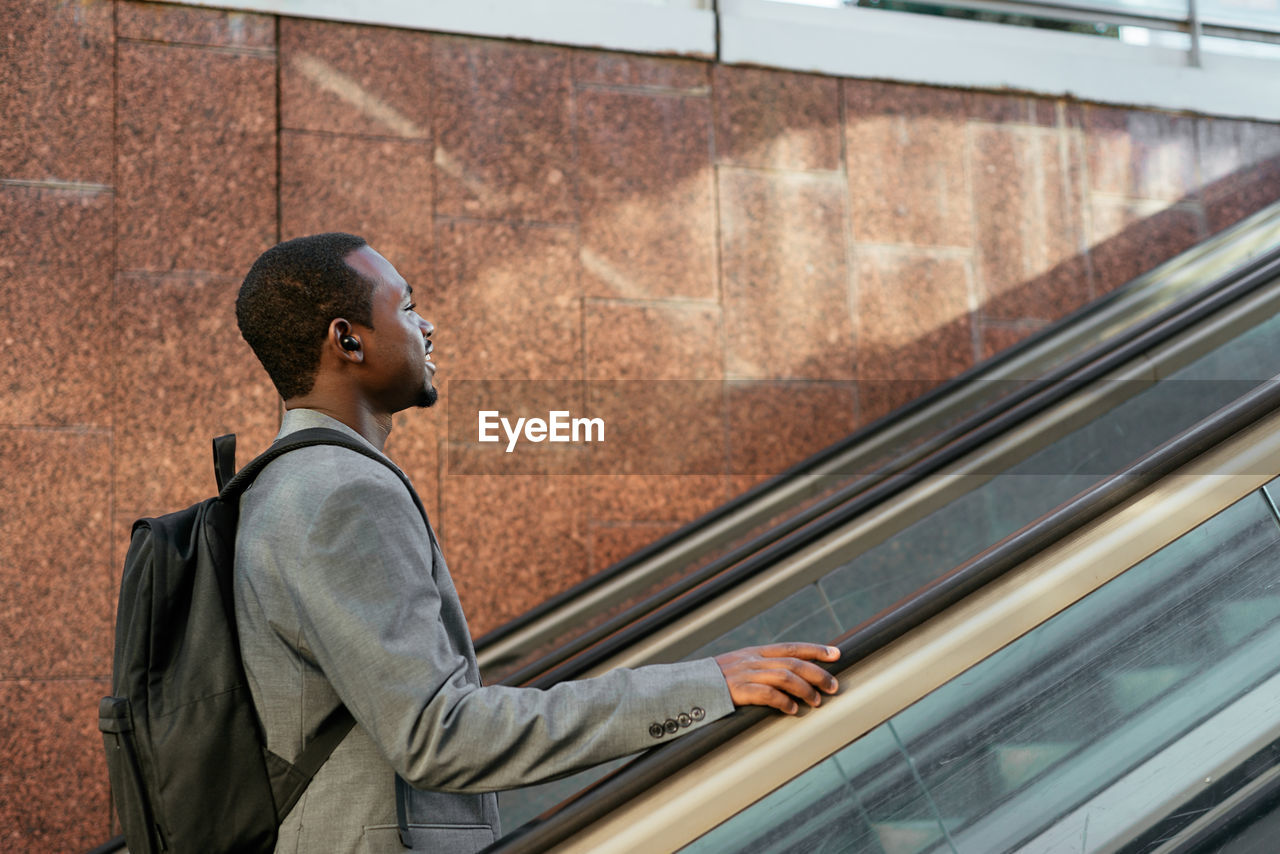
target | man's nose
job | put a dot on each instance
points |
(426, 326)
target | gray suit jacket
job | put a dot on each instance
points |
(342, 598)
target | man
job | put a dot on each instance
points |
(342, 595)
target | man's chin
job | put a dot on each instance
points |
(428, 397)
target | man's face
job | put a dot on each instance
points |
(397, 349)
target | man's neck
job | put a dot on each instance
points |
(374, 427)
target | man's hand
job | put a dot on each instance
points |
(772, 675)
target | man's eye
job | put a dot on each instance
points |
(411, 306)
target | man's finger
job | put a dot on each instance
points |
(759, 694)
(806, 670)
(789, 682)
(796, 649)
(785, 680)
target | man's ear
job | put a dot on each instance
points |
(345, 340)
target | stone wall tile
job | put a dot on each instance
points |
(196, 152)
(1140, 153)
(908, 174)
(51, 759)
(908, 345)
(606, 68)
(1130, 237)
(184, 375)
(777, 119)
(504, 141)
(377, 188)
(786, 283)
(57, 273)
(614, 542)
(347, 78)
(1239, 168)
(511, 541)
(654, 498)
(775, 424)
(1029, 205)
(506, 303)
(185, 25)
(54, 526)
(55, 92)
(997, 338)
(648, 206)
(653, 341)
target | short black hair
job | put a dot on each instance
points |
(288, 299)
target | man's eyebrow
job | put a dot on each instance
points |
(408, 291)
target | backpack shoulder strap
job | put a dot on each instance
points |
(307, 438)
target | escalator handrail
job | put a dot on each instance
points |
(580, 654)
(816, 460)
(896, 621)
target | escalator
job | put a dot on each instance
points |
(1103, 680)
(855, 565)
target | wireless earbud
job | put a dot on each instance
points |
(346, 342)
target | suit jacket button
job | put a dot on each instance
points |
(670, 726)
(656, 730)
(697, 713)
(684, 720)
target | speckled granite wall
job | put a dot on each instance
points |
(563, 214)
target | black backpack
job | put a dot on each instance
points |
(186, 756)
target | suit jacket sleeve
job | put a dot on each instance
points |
(379, 615)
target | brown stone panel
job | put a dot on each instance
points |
(1028, 202)
(774, 425)
(648, 206)
(55, 91)
(184, 375)
(54, 525)
(1239, 168)
(1008, 109)
(185, 25)
(786, 283)
(506, 302)
(607, 68)
(512, 542)
(196, 154)
(504, 138)
(1046, 112)
(653, 341)
(777, 119)
(377, 188)
(908, 174)
(611, 543)
(998, 338)
(913, 325)
(348, 78)
(677, 499)
(1140, 153)
(656, 371)
(1131, 237)
(53, 774)
(57, 272)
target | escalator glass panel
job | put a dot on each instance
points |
(873, 579)
(1076, 736)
